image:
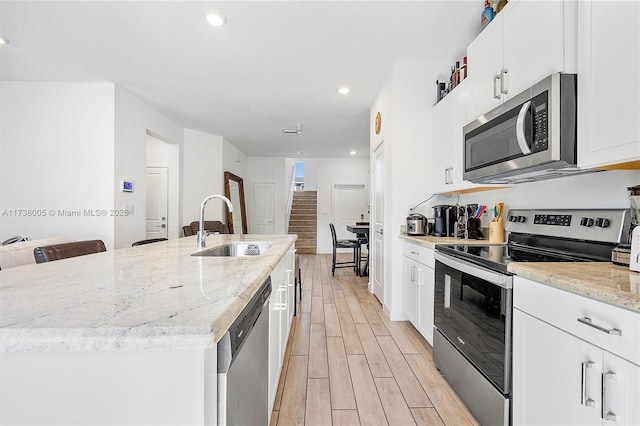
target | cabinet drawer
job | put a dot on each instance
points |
(420, 254)
(563, 309)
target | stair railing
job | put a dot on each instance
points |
(292, 188)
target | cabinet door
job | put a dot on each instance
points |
(548, 375)
(532, 52)
(275, 321)
(620, 391)
(426, 287)
(441, 143)
(410, 291)
(484, 62)
(609, 103)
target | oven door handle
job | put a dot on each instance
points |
(498, 279)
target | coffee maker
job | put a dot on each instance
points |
(445, 221)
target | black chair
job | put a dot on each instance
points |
(352, 244)
(67, 250)
(209, 225)
(149, 241)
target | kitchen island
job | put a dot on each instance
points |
(125, 336)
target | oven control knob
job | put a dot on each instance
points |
(602, 222)
(586, 221)
(513, 218)
(522, 219)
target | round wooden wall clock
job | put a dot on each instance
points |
(378, 123)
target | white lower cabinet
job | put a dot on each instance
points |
(561, 379)
(419, 288)
(280, 316)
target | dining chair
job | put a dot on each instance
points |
(209, 225)
(352, 244)
(66, 250)
(149, 241)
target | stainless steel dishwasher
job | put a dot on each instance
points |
(243, 365)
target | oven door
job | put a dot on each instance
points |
(473, 312)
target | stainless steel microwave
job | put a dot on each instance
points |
(530, 137)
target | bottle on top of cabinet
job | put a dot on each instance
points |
(487, 14)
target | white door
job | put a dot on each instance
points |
(157, 205)
(349, 207)
(377, 270)
(264, 208)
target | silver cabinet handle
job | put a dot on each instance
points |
(607, 415)
(414, 252)
(612, 331)
(520, 137)
(503, 85)
(584, 400)
(413, 268)
(380, 232)
(496, 95)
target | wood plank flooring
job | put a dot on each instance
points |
(347, 364)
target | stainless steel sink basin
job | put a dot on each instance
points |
(236, 249)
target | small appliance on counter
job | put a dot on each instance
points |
(445, 220)
(417, 224)
(634, 231)
(629, 254)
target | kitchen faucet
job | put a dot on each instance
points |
(202, 235)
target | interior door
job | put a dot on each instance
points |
(349, 207)
(264, 207)
(377, 262)
(157, 202)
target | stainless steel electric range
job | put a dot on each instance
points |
(473, 296)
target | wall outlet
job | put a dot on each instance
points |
(129, 208)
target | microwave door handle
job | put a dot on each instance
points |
(520, 137)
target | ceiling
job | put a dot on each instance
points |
(272, 66)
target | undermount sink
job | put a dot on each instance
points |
(236, 249)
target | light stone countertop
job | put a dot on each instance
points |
(603, 281)
(154, 296)
(429, 241)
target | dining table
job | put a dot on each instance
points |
(361, 229)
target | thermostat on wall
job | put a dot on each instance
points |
(127, 186)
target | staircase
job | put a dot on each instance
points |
(304, 221)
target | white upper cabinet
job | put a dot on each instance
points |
(448, 118)
(527, 41)
(609, 84)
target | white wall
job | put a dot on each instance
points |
(133, 119)
(267, 169)
(202, 175)
(404, 103)
(333, 171)
(57, 152)
(162, 154)
(233, 160)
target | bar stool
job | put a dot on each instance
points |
(297, 286)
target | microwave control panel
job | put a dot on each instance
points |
(540, 122)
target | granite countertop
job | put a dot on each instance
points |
(603, 281)
(154, 296)
(430, 241)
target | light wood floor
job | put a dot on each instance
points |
(347, 364)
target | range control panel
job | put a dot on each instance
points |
(604, 225)
(553, 219)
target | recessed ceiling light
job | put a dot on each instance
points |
(4, 40)
(353, 153)
(216, 20)
(343, 90)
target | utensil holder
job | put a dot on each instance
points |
(496, 232)
(473, 229)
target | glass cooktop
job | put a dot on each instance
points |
(498, 256)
